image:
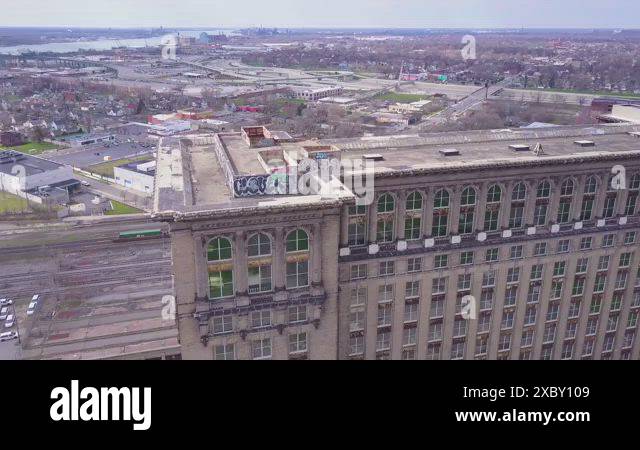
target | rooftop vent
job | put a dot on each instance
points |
(519, 147)
(449, 151)
(373, 156)
(584, 143)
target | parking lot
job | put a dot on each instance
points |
(95, 154)
(15, 315)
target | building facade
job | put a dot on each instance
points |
(515, 244)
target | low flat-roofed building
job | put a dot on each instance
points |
(138, 176)
(536, 228)
(34, 178)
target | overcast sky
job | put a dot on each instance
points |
(323, 13)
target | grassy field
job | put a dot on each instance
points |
(32, 148)
(106, 168)
(121, 208)
(400, 98)
(12, 203)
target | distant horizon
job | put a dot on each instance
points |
(326, 14)
(344, 28)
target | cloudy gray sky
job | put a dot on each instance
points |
(322, 13)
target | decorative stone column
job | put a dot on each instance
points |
(576, 205)
(481, 207)
(529, 201)
(427, 212)
(505, 205)
(316, 255)
(401, 212)
(279, 263)
(241, 277)
(344, 226)
(373, 220)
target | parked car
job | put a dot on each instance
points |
(9, 322)
(85, 183)
(30, 309)
(4, 312)
(8, 335)
(5, 302)
(35, 298)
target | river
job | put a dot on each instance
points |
(103, 44)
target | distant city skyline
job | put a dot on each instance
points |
(324, 14)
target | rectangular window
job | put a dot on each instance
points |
(540, 215)
(585, 243)
(559, 269)
(261, 349)
(356, 345)
(220, 284)
(439, 285)
(515, 217)
(540, 249)
(297, 343)
(297, 314)
(563, 246)
(491, 255)
(385, 293)
(608, 240)
(358, 296)
(466, 258)
(225, 352)
(358, 271)
(222, 324)
(412, 289)
(414, 264)
(261, 319)
(297, 274)
(259, 278)
(515, 252)
(441, 261)
(412, 228)
(386, 268)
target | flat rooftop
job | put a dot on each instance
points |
(33, 165)
(479, 148)
(206, 176)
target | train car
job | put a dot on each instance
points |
(140, 234)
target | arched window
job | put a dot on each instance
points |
(386, 203)
(413, 219)
(468, 197)
(414, 201)
(440, 213)
(297, 241)
(467, 201)
(441, 199)
(297, 259)
(493, 194)
(220, 268)
(519, 192)
(219, 249)
(259, 245)
(591, 185)
(385, 222)
(544, 190)
(259, 263)
(564, 206)
(540, 212)
(567, 187)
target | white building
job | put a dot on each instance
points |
(35, 178)
(136, 176)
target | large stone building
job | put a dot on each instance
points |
(502, 244)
